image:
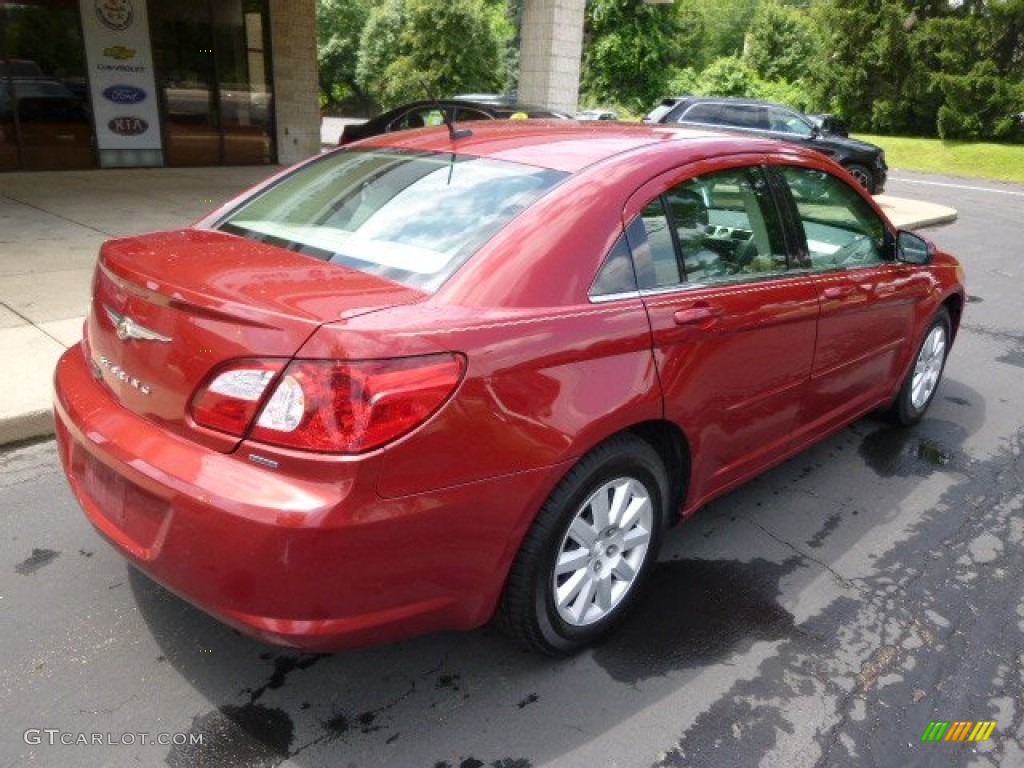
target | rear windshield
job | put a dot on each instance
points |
(410, 217)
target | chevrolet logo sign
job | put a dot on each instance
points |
(127, 328)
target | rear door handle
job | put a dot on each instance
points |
(699, 314)
(837, 292)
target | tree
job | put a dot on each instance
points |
(728, 76)
(416, 49)
(779, 42)
(863, 62)
(340, 26)
(632, 50)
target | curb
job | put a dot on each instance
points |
(26, 426)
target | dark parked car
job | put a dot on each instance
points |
(865, 162)
(423, 382)
(420, 114)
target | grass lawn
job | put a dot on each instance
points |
(1001, 162)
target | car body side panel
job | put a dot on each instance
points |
(541, 386)
(865, 334)
(734, 385)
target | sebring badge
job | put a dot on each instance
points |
(128, 329)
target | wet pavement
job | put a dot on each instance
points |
(822, 615)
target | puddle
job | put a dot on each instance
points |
(472, 762)
(39, 559)
(697, 612)
(1014, 356)
(251, 735)
(929, 447)
(831, 524)
(282, 666)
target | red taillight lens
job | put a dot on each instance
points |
(336, 406)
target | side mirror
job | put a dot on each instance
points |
(913, 249)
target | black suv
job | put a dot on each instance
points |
(864, 161)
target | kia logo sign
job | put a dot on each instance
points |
(128, 126)
(124, 94)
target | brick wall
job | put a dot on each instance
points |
(293, 45)
(550, 51)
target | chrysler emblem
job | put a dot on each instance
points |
(127, 328)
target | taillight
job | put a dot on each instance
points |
(337, 406)
(229, 401)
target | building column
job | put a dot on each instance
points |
(296, 107)
(550, 52)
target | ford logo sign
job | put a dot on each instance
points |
(124, 94)
(128, 126)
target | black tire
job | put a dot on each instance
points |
(863, 175)
(922, 380)
(611, 569)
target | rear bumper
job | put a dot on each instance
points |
(313, 559)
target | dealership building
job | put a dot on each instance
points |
(143, 83)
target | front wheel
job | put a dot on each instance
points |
(593, 543)
(863, 176)
(922, 380)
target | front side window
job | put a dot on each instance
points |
(410, 217)
(784, 121)
(841, 228)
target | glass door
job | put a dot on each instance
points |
(45, 113)
(212, 74)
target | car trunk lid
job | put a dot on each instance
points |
(169, 308)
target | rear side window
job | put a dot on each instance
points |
(745, 116)
(410, 217)
(716, 228)
(703, 113)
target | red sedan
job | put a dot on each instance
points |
(442, 376)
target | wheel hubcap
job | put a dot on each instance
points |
(928, 367)
(603, 551)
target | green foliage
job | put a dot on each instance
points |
(923, 66)
(915, 67)
(633, 46)
(780, 42)
(725, 25)
(417, 49)
(339, 28)
(980, 104)
(728, 76)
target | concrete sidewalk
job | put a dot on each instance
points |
(51, 227)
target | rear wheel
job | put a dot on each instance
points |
(592, 545)
(922, 380)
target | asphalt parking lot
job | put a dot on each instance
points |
(822, 615)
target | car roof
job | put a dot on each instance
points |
(488, 105)
(571, 145)
(731, 100)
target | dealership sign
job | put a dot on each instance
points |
(124, 94)
(121, 78)
(126, 125)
